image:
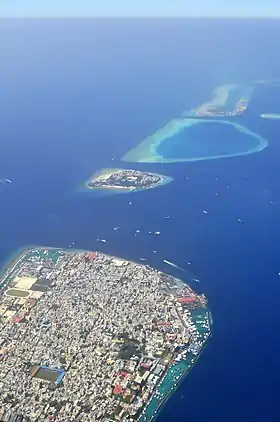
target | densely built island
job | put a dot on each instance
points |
(123, 180)
(90, 337)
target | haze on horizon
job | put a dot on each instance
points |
(143, 8)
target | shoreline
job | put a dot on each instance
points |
(270, 116)
(175, 387)
(120, 189)
(221, 99)
(179, 381)
(16, 257)
(25, 249)
(11, 261)
(146, 151)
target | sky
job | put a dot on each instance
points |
(142, 8)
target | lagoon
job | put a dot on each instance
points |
(184, 140)
(209, 139)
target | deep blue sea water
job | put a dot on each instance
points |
(74, 94)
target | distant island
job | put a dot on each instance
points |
(204, 133)
(271, 116)
(272, 82)
(123, 180)
(88, 336)
(227, 101)
(195, 139)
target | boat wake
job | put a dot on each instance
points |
(190, 275)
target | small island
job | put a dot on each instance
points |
(272, 82)
(209, 131)
(126, 180)
(195, 139)
(87, 336)
(271, 116)
(227, 101)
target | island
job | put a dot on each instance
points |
(227, 101)
(272, 82)
(204, 133)
(271, 116)
(195, 139)
(90, 337)
(125, 180)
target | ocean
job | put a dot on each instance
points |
(75, 96)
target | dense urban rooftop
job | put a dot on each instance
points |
(89, 337)
(126, 179)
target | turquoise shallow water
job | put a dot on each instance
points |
(14, 259)
(166, 388)
(70, 103)
(175, 373)
(208, 139)
(235, 94)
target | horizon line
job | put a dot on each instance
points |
(138, 17)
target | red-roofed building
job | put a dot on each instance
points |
(118, 389)
(35, 370)
(91, 256)
(18, 318)
(187, 299)
(124, 374)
